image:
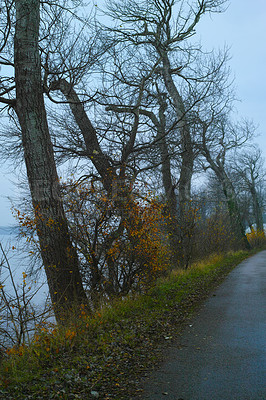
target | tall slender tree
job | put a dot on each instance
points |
(59, 256)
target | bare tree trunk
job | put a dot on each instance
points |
(257, 209)
(217, 165)
(167, 178)
(250, 169)
(186, 142)
(186, 170)
(232, 203)
(233, 210)
(99, 159)
(165, 159)
(59, 257)
(171, 198)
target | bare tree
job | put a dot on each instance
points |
(218, 138)
(249, 168)
(158, 109)
(151, 26)
(59, 256)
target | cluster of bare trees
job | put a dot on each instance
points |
(125, 98)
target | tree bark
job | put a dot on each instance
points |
(59, 257)
(257, 210)
(169, 189)
(99, 159)
(230, 195)
(233, 209)
(186, 170)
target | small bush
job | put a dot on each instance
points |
(256, 238)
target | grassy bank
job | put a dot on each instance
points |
(105, 356)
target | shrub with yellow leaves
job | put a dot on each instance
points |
(118, 237)
(256, 238)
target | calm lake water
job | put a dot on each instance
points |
(19, 261)
(33, 295)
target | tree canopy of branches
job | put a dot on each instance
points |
(136, 105)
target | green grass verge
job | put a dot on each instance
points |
(105, 355)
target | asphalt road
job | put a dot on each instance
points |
(221, 355)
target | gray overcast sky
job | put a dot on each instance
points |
(243, 28)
